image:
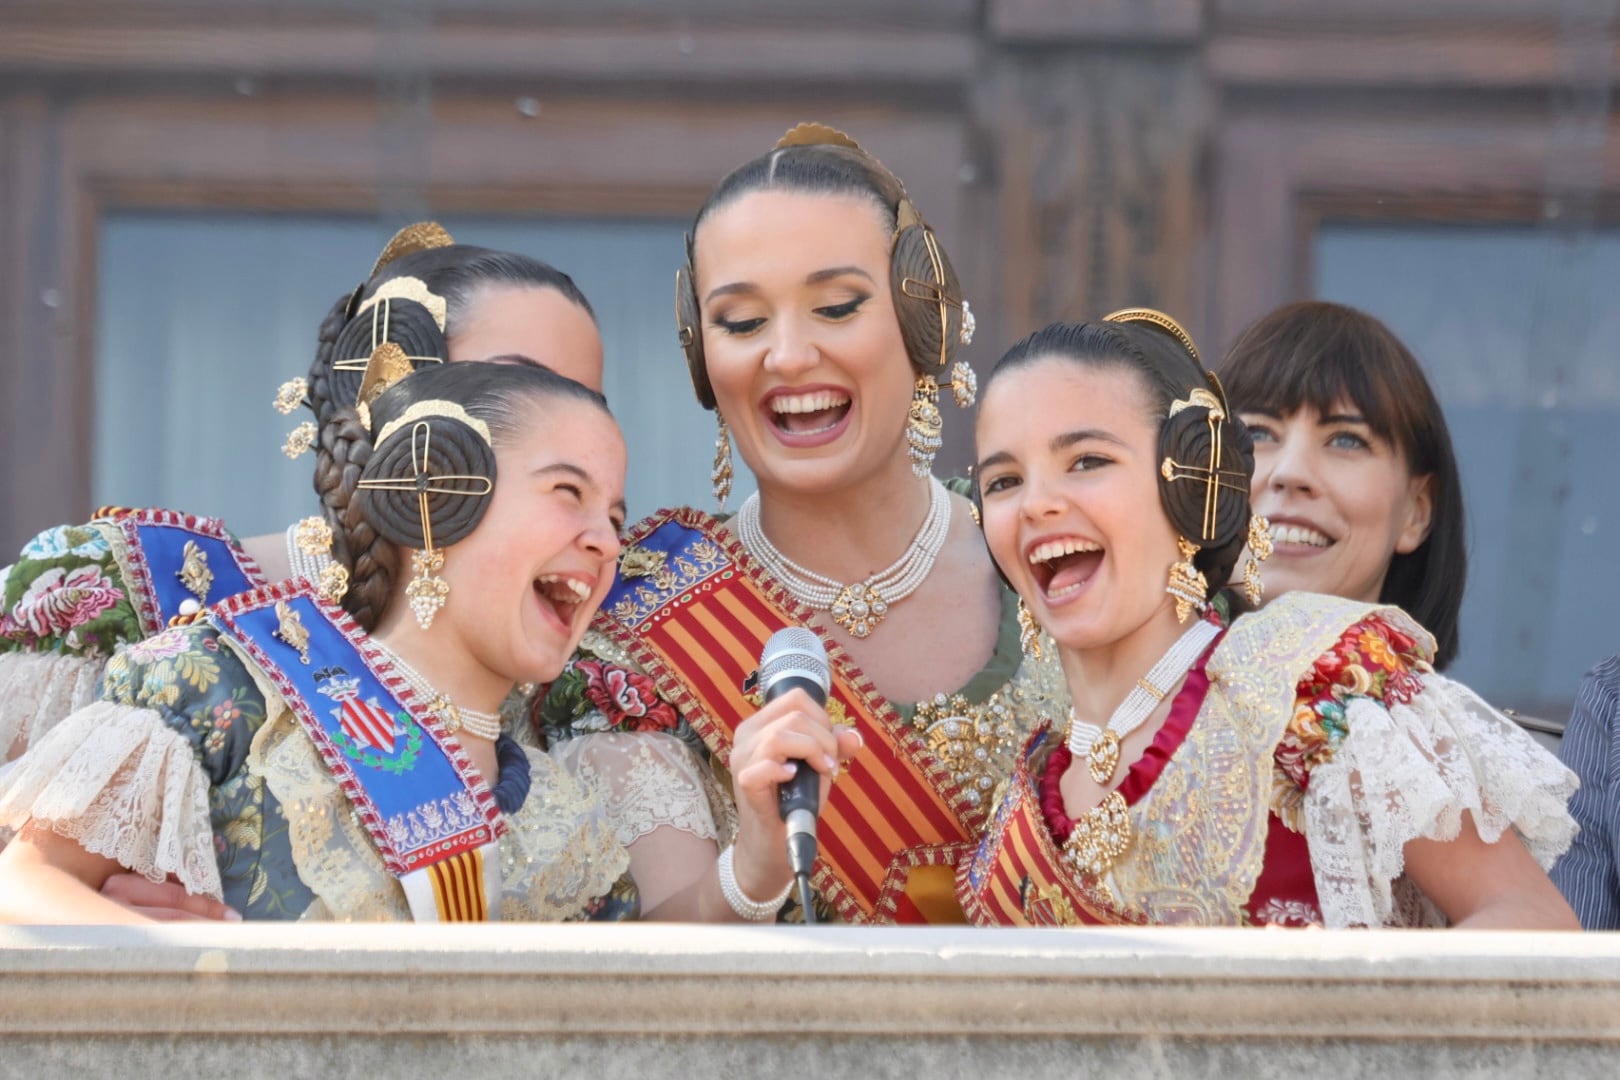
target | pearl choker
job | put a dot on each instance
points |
(480, 725)
(1100, 746)
(858, 607)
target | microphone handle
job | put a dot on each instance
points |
(803, 792)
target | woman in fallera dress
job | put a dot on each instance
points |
(276, 755)
(78, 592)
(1302, 764)
(820, 318)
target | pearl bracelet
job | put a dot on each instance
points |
(745, 906)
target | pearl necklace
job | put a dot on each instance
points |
(304, 565)
(861, 606)
(1100, 746)
(480, 725)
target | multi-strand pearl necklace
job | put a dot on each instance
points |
(1100, 746)
(480, 725)
(861, 606)
(303, 564)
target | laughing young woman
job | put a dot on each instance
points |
(820, 315)
(277, 756)
(1302, 764)
(76, 593)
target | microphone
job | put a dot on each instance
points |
(795, 659)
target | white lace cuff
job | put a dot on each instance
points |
(647, 780)
(1409, 772)
(39, 691)
(120, 782)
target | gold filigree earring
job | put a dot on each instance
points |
(720, 475)
(1029, 632)
(923, 426)
(1187, 582)
(427, 591)
(1259, 552)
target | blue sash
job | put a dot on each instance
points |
(412, 786)
(178, 564)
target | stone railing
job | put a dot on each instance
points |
(454, 1002)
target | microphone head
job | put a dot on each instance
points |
(794, 652)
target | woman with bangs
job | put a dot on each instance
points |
(1353, 464)
(1301, 764)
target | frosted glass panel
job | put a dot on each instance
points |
(1517, 329)
(201, 317)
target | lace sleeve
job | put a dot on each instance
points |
(664, 805)
(129, 777)
(1408, 768)
(39, 691)
(123, 784)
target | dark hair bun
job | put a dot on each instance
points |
(921, 272)
(1185, 441)
(457, 454)
(406, 323)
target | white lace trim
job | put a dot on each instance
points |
(1410, 772)
(647, 780)
(124, 785)
(558, 853)
(39, 691)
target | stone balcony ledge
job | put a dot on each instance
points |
(647, 1000)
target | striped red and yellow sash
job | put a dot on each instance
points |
(694, 611)
(1018, 875)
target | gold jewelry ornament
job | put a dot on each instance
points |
(313, 535)
(969, 325)
(388, 365)
(421, 236)
(1187, 582)
(299, 439)
(410, 288)
(1029, 632)
(194, 573)
(1100, 837)
(720, 475)
(334, 582)
(964, 384)
(291, 630)
(923, 426)
(1103, 758)
(427, 592)
(1259, 552)
(290, 395)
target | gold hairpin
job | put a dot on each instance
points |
(427, 591)
(1213, 477)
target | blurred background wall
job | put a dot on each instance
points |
(185, 187)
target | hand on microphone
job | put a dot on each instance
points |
(790, 728)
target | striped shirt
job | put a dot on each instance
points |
(1587, 874)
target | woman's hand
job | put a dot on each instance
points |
(165, 901)
(791, 728)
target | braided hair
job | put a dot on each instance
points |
(1170, 374)
(343, 444)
